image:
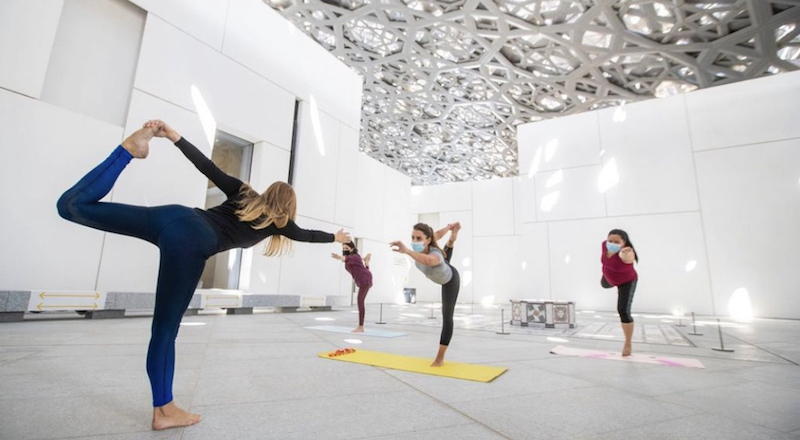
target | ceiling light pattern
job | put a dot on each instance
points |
(447, 81)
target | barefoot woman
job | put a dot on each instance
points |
(186, 237)
(618, 257)
(362, 276)
(435, 264)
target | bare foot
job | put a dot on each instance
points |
(138, 143)
(454, 234)
(626, 350)
(161, 129)
(170, 416)
(359, 329)
(437, 363)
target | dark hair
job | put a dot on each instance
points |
(627, 240)
(352, 246)
(428, 231)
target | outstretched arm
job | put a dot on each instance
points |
(419, 257)
(296, 233)
(441, 232)
(225, 182)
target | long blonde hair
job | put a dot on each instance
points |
(276, 206)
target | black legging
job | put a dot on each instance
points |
(449, 297)
(624, 298)
(624, 301)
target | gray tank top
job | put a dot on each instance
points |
(439, 274)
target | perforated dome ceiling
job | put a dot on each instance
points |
(447, 82)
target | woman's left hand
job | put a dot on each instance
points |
(342, 237)
(400, 247)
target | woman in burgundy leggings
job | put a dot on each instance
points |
(359, 269)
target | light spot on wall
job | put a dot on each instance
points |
(609, 176)
(739, 306)
(207, 120)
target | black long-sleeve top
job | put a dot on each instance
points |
(232, 232)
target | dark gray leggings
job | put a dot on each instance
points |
(624, 298)
(449, 298)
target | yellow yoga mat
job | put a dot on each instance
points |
(478, 373)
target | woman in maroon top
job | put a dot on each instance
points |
(618, 257)
(361, 275)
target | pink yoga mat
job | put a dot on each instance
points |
(612, 356)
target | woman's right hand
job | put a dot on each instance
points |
(335, 256)
(399, 246)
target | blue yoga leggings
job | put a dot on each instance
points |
(185, 241)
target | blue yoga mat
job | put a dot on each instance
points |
(367, 332)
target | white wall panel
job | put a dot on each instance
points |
(751, 224)
(171, 63)
(498, 269)
(316, 164)
(441, 198)
(27, 32)
(369, 198)
(270, 165)
(165, 177)
(746, 112)
(527, 198)
(493, 207)
(566, 142)
(396, 205)
(104, 38)
(574, 195)
(347, 178)
(262, 40)
(310, 270)
(653, 155)
(673, 269)
(203, 20)
(51, 151)
(535, 264)
(518, 205)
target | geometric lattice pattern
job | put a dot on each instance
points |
(447, 82)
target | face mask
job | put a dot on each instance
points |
(613, 247)
(346, 252)
(418, 247)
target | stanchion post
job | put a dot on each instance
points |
(694, 328)
(502, 323)
(721, 343)
(380, 320)
(431, 317)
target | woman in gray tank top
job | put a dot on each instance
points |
(434, 262)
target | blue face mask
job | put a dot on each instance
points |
(418, 247)
(613, 247)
